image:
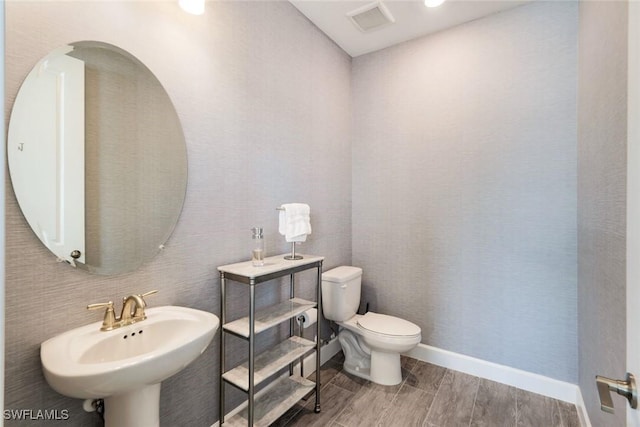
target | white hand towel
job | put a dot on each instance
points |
(294, 222)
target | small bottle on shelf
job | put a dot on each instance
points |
(257, 247)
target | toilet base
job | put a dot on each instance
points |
(389, 374)
(358, 372)
(376, 366)
(385, 368)
(357, 360)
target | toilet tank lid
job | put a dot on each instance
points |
(342, 274)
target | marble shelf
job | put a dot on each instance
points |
(269, 362)
(274, 266)
(269, 317)
(269, 406)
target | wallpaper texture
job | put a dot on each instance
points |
(464, 186)
(476, 175)
(264, 102)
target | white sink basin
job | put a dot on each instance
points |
(89, 363)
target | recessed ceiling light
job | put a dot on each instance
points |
(433, 3)
(195, 7)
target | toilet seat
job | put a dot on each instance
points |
(391, 326)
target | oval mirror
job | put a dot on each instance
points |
(97, 157)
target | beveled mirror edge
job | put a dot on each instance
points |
(168, 232)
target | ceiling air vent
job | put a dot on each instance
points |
(371, 17)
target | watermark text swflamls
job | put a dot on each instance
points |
(36, 414)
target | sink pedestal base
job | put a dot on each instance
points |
(136, 408)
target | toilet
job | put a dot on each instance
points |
(371, 342)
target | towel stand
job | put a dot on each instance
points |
(293, 255)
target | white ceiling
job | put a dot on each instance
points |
(412, 19)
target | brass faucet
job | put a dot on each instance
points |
(132, 311)
(128, 315)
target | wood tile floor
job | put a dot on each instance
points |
(428, 396)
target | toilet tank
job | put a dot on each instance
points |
(341, 293)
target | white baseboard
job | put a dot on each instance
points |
(328, 351)
(524, 380)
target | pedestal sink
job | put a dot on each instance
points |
(125, 366)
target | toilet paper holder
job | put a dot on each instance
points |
(305, 320)
(308, 318)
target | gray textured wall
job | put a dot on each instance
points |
(464, 180)
(264, 101)
(602, 172)
(464, 186)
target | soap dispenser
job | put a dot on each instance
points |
(257, 247)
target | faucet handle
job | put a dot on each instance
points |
(100, 305)
(146, 294)
(109, 321)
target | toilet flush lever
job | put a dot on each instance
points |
(626, 388)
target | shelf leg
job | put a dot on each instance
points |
(252, 342)
(301, 357)
(318, 340)
(222, 365)
(292, 294)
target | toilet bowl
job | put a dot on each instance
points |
(372, 342)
